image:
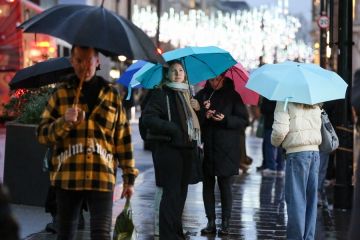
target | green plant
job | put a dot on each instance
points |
(26, 106)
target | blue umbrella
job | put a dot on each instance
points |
(200, 63)
(297, 82)
(126, 77)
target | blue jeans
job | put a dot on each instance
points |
(301, 180)
(272, 155)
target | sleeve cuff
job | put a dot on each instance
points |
(128, 179)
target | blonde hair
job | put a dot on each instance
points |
(308, 106)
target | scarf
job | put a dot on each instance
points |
(192, 122)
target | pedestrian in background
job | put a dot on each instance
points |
(354, 231)
(297, 129)
(223, 117)
(170, 118)
(90, 140)
(9, 229)
(273, 163)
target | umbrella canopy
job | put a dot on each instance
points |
(126, 77)
(297, 82)
(200, 63)
(96, 27)
(42, 73)
(240, 77)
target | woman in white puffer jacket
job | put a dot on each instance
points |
(297, 128)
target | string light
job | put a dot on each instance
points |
(264, 31)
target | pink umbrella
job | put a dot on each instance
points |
(240, 77)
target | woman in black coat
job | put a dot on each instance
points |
(173, 124)
(222, 118)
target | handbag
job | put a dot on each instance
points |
(330, 140)
(124, 228)
(196, 174)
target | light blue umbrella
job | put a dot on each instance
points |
(126, 77)
(200, 63)
(297, 82)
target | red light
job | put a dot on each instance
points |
(159, 50)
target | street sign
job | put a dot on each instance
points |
(323, 22)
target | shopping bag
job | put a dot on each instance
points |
(124, 227)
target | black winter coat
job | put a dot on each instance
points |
(222, 139)
(176, 154)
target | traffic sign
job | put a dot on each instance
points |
(323, 22)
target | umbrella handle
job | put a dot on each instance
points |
(82, 79)
(77, 95)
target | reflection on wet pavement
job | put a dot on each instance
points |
(259, 211)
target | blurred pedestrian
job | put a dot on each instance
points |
(354, 231)
(170, 118)
(273, 162)
(9, 229)
(90, 140)
(297, 128)
(223, 118)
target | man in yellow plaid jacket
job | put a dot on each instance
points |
(90, 140)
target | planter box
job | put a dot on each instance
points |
(27, 182)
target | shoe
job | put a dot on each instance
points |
(280, 173)
(52, 226)
(81, 223)
(244, 167)
(260, 168)
(224, 230)
(268, 173)
(210, 227)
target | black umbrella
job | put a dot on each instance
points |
(42, 73)
(96, 27)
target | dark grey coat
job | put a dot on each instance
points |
(222, 139)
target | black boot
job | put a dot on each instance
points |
(224, 230)
(52, 226)
(81, 223)
(210, 227)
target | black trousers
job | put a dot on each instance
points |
(225, 185)
(69, 206)
(175, 188)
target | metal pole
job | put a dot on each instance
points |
(323, 32)
(129, 10)
(158, 12)
(344, 155)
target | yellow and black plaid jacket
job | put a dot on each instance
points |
(86, 156)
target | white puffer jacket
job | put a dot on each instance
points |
(297, 128)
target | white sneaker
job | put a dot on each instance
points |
(280, 173)
(269, 173)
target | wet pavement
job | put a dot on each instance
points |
(259, 211)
